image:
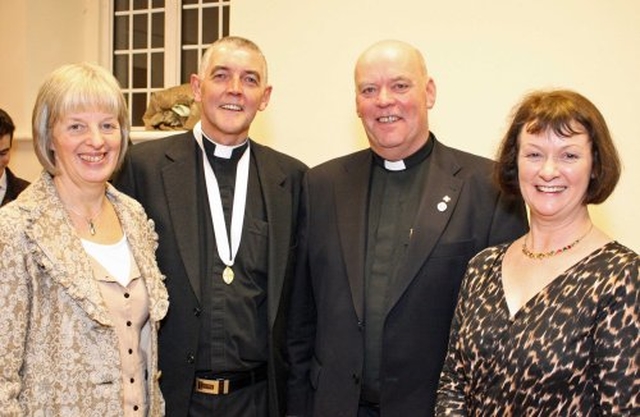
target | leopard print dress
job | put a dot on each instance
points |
(572, 350)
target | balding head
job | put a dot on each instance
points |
(393, 50)
(393, 96)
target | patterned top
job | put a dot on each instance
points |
(571, 350)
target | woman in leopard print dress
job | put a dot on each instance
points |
(548, 325)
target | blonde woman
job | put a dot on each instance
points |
(80, 292)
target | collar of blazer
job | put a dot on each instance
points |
(180, 182)
(351, 196)
(59, 255)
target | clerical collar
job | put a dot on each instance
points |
(224, 151)
(408, 162)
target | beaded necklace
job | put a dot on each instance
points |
(543, 255)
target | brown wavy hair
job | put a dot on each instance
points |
(560, 111)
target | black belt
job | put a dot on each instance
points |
(228, 382)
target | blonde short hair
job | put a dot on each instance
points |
(71, 88)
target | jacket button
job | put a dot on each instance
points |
(356, 378)
(360, 325)
(197, 312)
(191, 358)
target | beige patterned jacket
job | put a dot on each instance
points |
(58, 348)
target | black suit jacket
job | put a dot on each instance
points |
(15, 186)
(460, 213)
(161, 174)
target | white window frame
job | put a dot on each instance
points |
(172, 48)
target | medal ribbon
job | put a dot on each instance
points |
(215, 202)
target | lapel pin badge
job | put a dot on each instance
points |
(442, 206)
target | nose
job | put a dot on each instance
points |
(235, 85)
(95, 137)
(549, 169)
(384, 97)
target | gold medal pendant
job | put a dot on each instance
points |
(227, 275)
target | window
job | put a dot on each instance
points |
(158, 44)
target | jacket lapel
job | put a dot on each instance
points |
(142, 240)
(351, 196)
(15, 186)
(278, 205)
(437, 204)
(59, 252)
(180, 182)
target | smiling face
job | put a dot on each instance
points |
(554, 172)
(86, 146)
(393, 97)
(232, 89)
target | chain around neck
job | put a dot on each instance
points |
(544, 255)
(91, 220)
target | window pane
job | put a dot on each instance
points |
(139, 40)
(140, 4)
(121, 5)
(157, 30)
(189, 27)
(189, 65)
(140, 31)
(225, 20)
(210, 25)
(138, 107)
(139, 70)
(157, 70)
(121, 33)
(121, 69)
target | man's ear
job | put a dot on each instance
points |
(266, 96)
(431, 93)
(195, 87)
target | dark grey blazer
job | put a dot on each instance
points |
(15, 186)
(161, 174)
(326, 344)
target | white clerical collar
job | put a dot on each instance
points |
(395, 165)
(408, 162)
(223, 151)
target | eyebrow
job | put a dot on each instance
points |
(403, 78)
(225, 68)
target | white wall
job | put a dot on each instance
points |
(36, 37)
(483, 55)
